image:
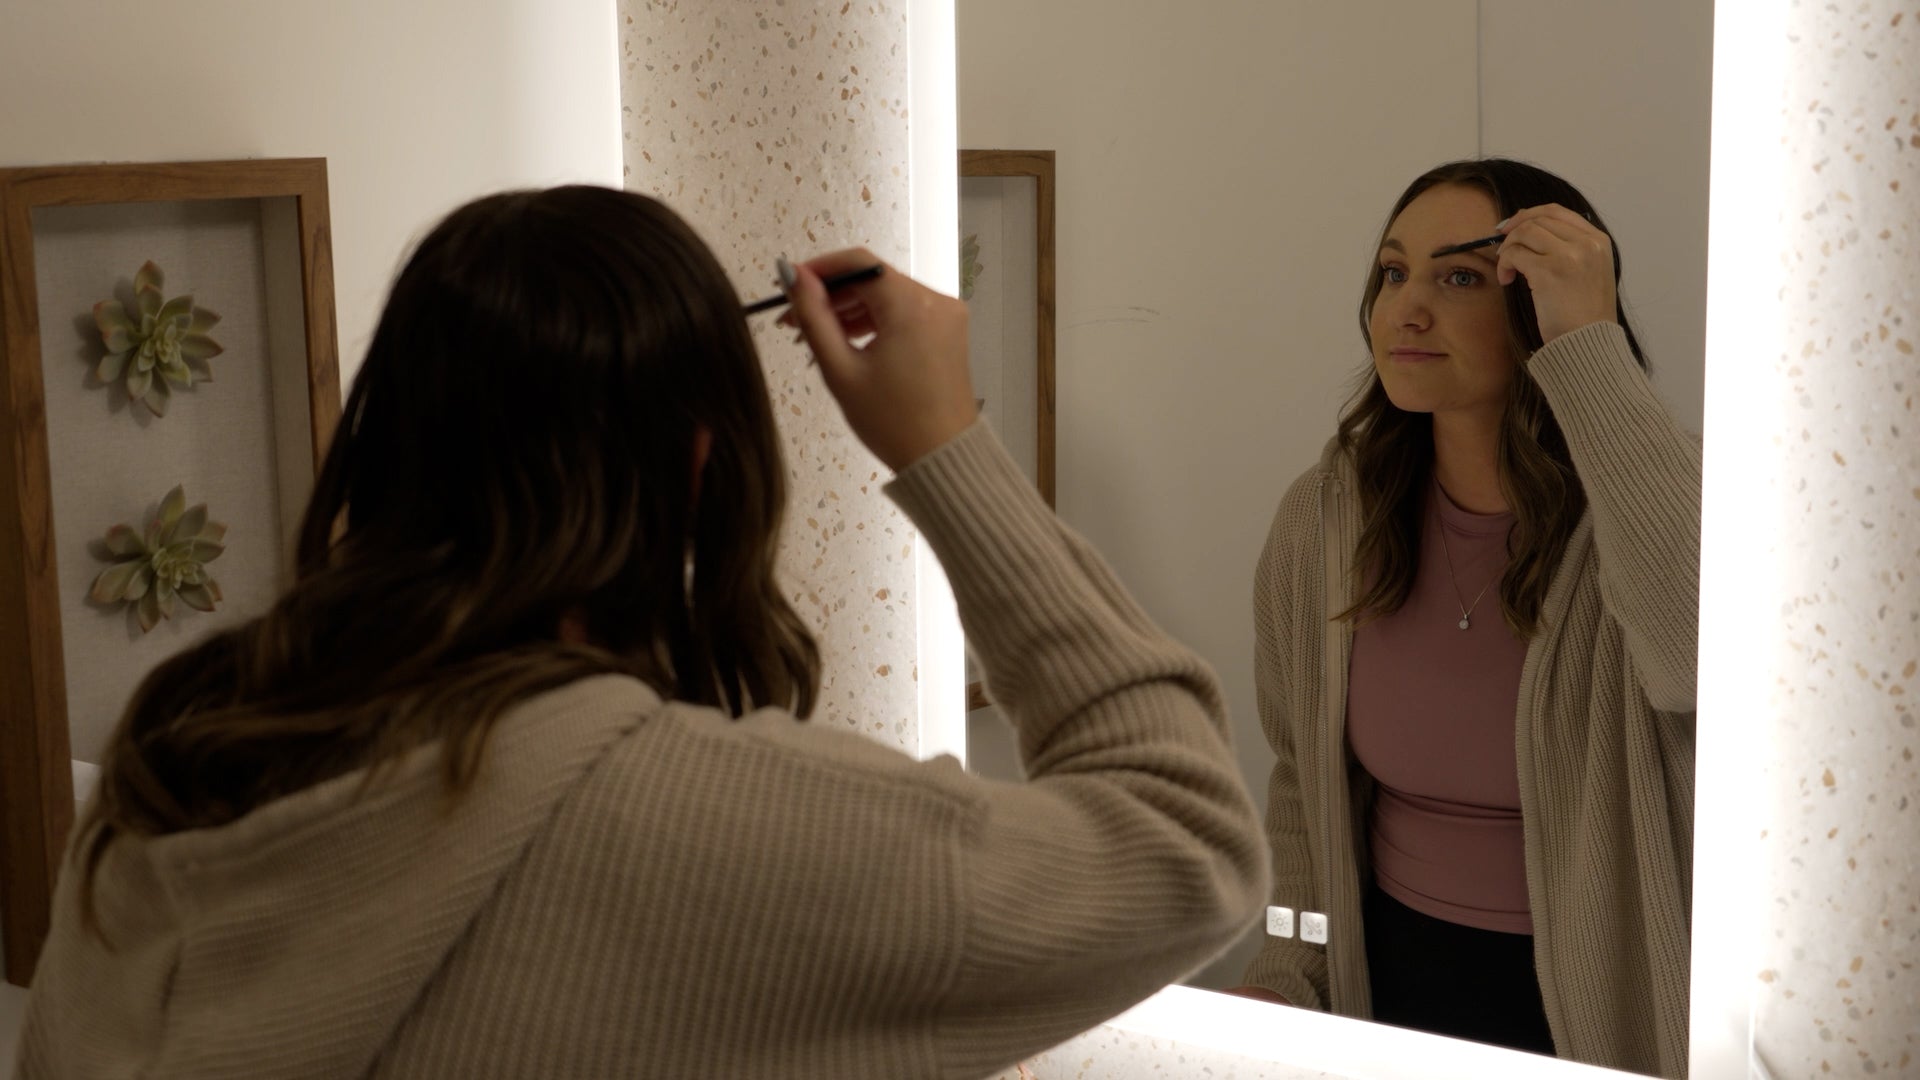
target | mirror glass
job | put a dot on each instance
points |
(1223, 175)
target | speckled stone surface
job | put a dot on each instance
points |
(781, 127)
(1108, 1053)
(1839, 993)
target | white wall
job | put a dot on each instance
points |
(1615, 98)
(1223, 172)
(417, 106)
(1220, 184)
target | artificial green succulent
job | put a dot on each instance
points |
(970, 265)
(163, 344)
(165, 561)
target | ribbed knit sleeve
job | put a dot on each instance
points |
(1641, 472)
(1133, 853)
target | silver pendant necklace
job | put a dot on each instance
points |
(1466, 609)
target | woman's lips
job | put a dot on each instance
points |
(1414, 356)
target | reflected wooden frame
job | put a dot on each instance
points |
(35, 767)
(1037, 164)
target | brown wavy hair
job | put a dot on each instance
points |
(518, 448)
(1392, 450)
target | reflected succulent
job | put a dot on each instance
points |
(970, 265)
(162, 344)
(162, 563)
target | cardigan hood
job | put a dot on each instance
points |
(399, 870)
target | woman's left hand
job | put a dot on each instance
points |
(1568, 264)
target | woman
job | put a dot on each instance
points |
(1475, 624)
(511, 782)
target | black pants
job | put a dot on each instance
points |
(1432, 975)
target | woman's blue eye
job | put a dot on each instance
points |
(1462, 278)
(1393, 274)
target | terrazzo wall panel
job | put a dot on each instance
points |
(1840, 936)
(781, 127)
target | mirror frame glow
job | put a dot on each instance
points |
(933, 193)
(1744, 239)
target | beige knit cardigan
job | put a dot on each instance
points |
(642, 888)
(1604, 735)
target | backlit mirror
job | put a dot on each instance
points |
(1222, 179)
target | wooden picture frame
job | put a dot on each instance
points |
(67, 229)
(1007, 214)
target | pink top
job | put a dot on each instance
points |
(1430, 714)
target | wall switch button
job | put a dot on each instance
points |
(1313, 927)
(1280, 922)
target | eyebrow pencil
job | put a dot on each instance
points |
(832, 283)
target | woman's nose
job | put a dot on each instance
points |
(1410, 306)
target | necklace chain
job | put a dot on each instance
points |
(1466, 609)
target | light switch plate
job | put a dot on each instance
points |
(1313, 927)
(1279, 922)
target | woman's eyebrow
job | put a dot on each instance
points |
(1391, 244)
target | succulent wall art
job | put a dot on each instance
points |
(165, 562)
(159, 346)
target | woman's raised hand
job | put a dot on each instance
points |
(906, 391)
(1568, 264)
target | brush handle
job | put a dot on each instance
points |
(836, 281)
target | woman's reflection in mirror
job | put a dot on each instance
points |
(1475, 623)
